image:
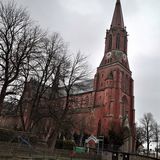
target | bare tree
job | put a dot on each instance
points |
(147, 123)
(18, 40)
(45, 75)
(28, 56)
(72, 72)
(139, 137)
(156, 137)
(42, 72)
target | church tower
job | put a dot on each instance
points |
(113, 83)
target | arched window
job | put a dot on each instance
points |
(122, 81)
(125, 43)
(87, 100)
(110, 75)
(99, 128)
(127, 84)
(110, 42)
(126, 87)
(109, 105)
(124, 109)
(118, 41)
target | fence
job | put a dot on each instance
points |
(111, 155)
(19, 152)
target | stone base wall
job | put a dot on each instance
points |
(124, 156)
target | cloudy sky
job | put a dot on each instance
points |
(82, 23)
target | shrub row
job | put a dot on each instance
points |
(66, 144)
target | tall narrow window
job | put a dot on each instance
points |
(124, 108)
(125, 43)
(110, 42)
(118, 41)
(122, 82)
(99, 128)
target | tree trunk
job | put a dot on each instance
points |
(147, 147)
(81, 139)
(157, 150)
(2, 96)
(53, 138)
(22, 118)
(53, 143)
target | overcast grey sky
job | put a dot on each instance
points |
(82, 23)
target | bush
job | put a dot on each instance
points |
(5, 136)
(67, 144)
(59, 144)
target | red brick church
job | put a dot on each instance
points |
(109, 100)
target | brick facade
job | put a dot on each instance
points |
(109, 100)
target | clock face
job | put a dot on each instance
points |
(124, 57)
(108, 55)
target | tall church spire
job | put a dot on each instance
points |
(116, 40)
(117, 20)
(113, 84)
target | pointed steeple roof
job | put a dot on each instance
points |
(117, 20)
